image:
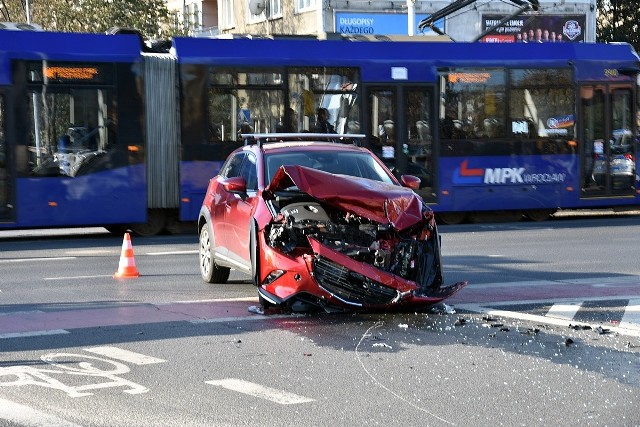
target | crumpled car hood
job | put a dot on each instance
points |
(377, 201)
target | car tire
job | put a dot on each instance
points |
(209, 270)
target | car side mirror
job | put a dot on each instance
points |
(410, 181)
(236, 185)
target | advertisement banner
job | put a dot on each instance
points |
(535, 29)
(363, 23)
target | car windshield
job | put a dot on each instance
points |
(358, 164)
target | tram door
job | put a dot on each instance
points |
(400, 128)
(608, 152)
(5, 177)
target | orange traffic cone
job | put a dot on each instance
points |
(127, 267)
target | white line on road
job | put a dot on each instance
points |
(190, 252)
(125, 355)
(60, 258)
(25, 416)
(631, 318)
(257, 390)
(626, 331)
(77, 277)
(19, 313)
(33, 333)
(564, 311)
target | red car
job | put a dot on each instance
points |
(320, 225)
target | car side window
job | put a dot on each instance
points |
(249, 173)
(233, 166)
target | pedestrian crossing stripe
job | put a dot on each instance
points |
(620, 315)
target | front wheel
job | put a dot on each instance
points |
(209, 270)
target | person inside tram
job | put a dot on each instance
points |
(289, 122)
(322, 121)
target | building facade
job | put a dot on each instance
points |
(555, 20)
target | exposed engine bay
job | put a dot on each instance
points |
(412, 253)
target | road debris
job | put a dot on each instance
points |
(382, 344)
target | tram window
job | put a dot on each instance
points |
(2, 124)
(542, 109)
(69, 129)
(236, 111)
(243, 101)
(333, 88)
(540, 77)
(542, 112)
(419, 148)
(472, 104)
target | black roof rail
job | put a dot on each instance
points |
(263, 138)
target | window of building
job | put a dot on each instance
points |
(227, 19)
(275, 9)
(305, 5)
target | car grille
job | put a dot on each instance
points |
(349, 286)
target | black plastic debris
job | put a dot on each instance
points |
(460, 322)
(530, 331)
(568, 342)
(602, 331)
(580, 327)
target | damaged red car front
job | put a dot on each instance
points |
(371, 244)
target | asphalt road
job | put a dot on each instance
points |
(545, 334)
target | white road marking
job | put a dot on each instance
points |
(60, 258)
(216, 300)
(633, 331)
(564, 311)
(257, 390)
(240, 319)
(631, 318)
(91, 252)
(125, 355)
(77, 277)
(14, 313)
(33, 333)
(28, 417)
(189, 252)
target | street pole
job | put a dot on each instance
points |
(411, 17)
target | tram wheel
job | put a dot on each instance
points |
(116, 229)
(451, 218)
(481, 217)
(156, 222)
(539, 214)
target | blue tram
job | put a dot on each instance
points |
(103, 130)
